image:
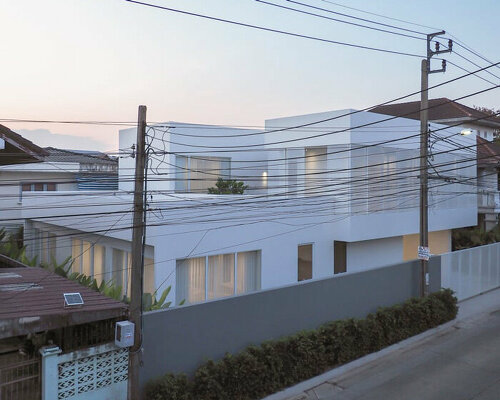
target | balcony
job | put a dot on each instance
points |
(488, 201)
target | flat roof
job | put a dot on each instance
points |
(31, 300)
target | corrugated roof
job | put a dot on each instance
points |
(37, 303)
(82, 157)
(439, 109)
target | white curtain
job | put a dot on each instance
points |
(190, 280)
(76, 251)
(248, 271)
(45, 247)
(99, 262)
(52, 241)
(118, 267)
(220, 280)
(149, 275)
(86, 253)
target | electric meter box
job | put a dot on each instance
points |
(124, 334)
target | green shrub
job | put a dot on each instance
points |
(274, 365)
(170, 386)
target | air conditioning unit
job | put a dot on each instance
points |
(124, 334)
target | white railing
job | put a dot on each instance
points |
(471, 271)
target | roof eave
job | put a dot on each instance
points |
(25, 325)
(468, 120)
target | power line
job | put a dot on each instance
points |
(262, 28)
(357, 18)
(336, 19)
(380, 15)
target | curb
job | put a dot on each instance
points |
(361, 363)
(407, 344)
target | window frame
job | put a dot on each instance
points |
(185, 171)
(235, 273)
(312, 260)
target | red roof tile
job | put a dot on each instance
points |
(439, 109)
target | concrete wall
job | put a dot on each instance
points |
(439, 243)
(181, 338)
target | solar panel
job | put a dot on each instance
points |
(73, 299)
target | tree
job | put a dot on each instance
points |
(486, 110)
(494, 113)
(228, 186)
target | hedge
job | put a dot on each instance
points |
(274, 365)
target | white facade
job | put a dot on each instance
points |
(61, 177)
(308, 186)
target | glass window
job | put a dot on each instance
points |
(99, 262)
(38, 187)
(26, 187)
(220, 280)
(197, 174)
(149, 275)
(45, 247)
(181, 174)
(52, 242)
(315, 163)
(51, 187)
(339, 257)
(304, 262)
(85, 256)
(190, 280)
(202, 278)
(76, 251)
(118, 267)
(248, 271)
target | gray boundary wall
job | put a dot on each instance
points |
(181, 338)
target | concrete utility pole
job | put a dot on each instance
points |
(423, 249)
(137, 259)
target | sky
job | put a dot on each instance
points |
(97, 60)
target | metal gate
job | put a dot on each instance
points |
(19, 377)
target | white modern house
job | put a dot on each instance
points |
(327, 193)
(486, 127)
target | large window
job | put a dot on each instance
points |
(204, 278)
(197, 174)
(45, 245)
(315, 168)
(305, 262)
(90, 259)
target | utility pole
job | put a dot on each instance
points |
(423, 249)
(137, 259)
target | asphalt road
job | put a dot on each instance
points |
(460, 364)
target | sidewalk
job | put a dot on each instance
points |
(458, 360)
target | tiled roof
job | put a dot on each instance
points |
(82, 157)
(31, 300)
(440, 109)
(488, 153)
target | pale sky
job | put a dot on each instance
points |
(99, 59)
